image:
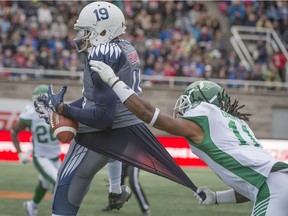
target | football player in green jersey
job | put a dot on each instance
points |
(46, 150)
(218, 134)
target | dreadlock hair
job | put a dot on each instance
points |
(232, 109)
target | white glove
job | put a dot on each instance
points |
(44, 112)
(24, 157)
(210, 196)
(105, 72)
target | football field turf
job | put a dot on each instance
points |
(166, 198)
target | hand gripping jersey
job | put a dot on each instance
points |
(44, 142)
(230, 149)
(123, 58)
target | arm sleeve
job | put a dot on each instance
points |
(102, 115)
(77, 103)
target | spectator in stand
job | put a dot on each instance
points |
(236, 13)
(257, 73)
(44, 13)
(283, 10)
(32, 62)
(264, 22)
(169, 70)
(271, 75)
(205, 37)
(260, 53)
(272, 11)
(279, 60)
(251, 20)
(59, 28)
(8, 59)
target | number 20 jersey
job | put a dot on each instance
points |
(44, 142)
(230, 149)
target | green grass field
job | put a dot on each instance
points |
(166, 198)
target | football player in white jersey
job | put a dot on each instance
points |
(218, 134)
(46, 150)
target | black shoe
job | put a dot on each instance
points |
(146, 213)
(116, 201)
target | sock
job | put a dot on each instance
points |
(114, 173)
(39, 194)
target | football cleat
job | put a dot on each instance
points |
(146, 213)
(31, 208)
(116, 201)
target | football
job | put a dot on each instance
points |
(63, 128)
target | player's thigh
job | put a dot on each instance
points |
(46, 168)
(278, 187)
(81, 160)
(277, 195)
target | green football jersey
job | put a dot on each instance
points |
(230, 149)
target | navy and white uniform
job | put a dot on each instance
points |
(110, 130)
(98, 110)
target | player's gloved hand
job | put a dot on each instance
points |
(53, 100)
(44, 112)
(105, 72)
(24, 157)
(210, 196)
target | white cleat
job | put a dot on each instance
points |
(30, 208)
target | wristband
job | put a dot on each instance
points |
(225, 197)
(155, 116)
(122, 91)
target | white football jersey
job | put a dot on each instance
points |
(230, 149)
(44, 142)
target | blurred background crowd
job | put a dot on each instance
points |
(173, 38)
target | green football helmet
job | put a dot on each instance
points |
(39, 90)
(199, 91)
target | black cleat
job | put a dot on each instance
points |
(116, 201)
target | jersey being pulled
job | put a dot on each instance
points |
(230, 149)
(44, 142)
(122, 57)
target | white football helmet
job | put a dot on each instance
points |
(100, 22)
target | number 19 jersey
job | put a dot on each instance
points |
(230, 149)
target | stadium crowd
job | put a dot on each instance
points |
(173, 38)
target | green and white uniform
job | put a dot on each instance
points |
(46, 148)
(231, 150)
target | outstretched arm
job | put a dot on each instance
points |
(145, 110)
(219, 197)
(148, 113)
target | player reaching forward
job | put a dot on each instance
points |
(106, 126)
(46, 150)
(218, 134)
